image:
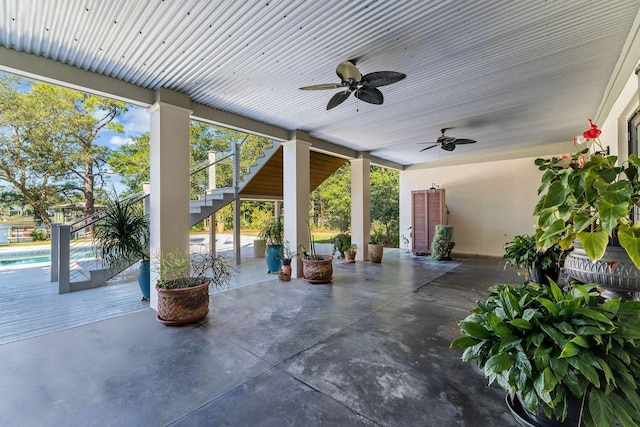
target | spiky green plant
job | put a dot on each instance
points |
(121, 235)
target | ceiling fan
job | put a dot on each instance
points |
(447, 143)
(363, 87)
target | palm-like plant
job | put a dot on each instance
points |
(121, 235)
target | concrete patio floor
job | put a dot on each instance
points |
(369, 349)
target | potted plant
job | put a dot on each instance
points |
(121, 238)
(376, 249)
(562, 355)
(350, 253)
(442, 244)
(316, 269)
(340, 243)
(287, 255)
(540, 264)
(585, 201)
(183, 285)
(273, 234)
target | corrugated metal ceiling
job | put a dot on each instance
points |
(507, 73)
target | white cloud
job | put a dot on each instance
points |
(119, 141)
(135, 121)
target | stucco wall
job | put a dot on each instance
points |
(488, 202)
(491, 201)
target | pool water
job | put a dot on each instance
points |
(42, 258)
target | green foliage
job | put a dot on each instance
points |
(440, 248)
(588, 200)
(177, 270)
(48, 134)
(522, 252)
(273, 232)
(385, 200)
(548, 344)
(39, 235)
(121, 235)
(286, 252)
(131, 162)
(331, 201)
(376, 238)
(340, 243)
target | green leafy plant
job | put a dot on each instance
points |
(121, 234)
(39, 235)
(177, 270)
(522, 252)
(273, 232)
(441, 244)
(589, 197)
(547, 344)
(340, 243)
(352, 247)
(375, 238)
(287, 253)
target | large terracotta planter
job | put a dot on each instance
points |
(318, 271)
(183, 306)
(375, 253)
(615, 273)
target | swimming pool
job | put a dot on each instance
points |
(33, 259)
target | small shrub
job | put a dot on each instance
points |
(39, 235)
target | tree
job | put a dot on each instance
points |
(48, 149)
(131, 162)
(385, 200)
(331, 201)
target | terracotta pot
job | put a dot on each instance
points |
(285, 272)
(183, 306)
(350, 256)
(375, 253)
(318, 271)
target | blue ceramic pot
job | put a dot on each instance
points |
(144, 278)
(272, 257)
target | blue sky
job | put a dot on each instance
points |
(135, 122)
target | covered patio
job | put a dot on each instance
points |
(520, 78)
(370, 349)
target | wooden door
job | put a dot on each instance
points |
(427, 207)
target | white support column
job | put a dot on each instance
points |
(361, 205)
(169, 200)
(296, 185)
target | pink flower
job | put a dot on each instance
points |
(593, 131)
(581, 161)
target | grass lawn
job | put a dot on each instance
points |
(323, 236)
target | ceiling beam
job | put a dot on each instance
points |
(57, 73)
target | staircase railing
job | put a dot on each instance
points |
(73, 263)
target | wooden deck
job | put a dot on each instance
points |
(30, 304)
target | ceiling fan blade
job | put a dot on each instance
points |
(465, 141)
(338, 99)
(428, 148)
(347, 71)
(322, 86)
(382, 78)
(370, 95)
